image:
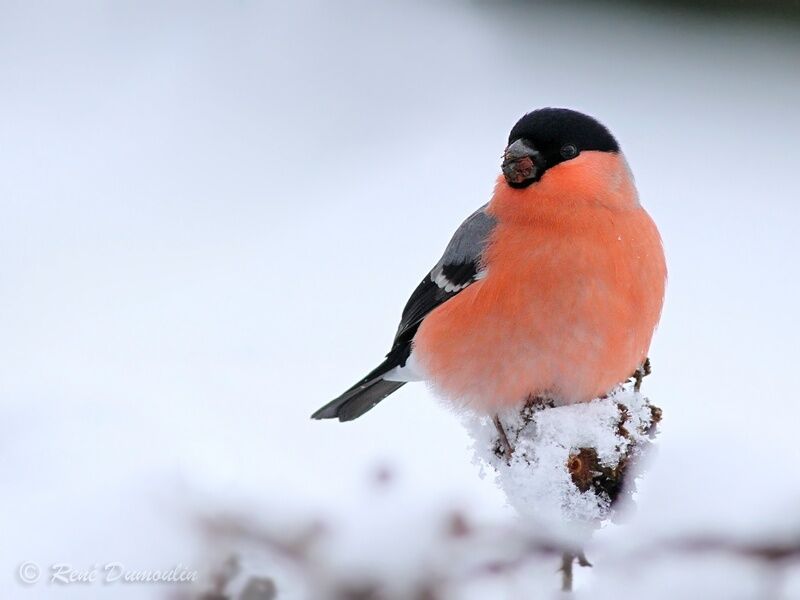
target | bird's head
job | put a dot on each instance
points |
(546, 138)
(561, 156)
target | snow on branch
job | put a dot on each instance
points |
(567, 463)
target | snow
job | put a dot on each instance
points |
(211, 223)
(537, 480)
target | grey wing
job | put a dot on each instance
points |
(460, 265)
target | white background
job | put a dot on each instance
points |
(213, 213)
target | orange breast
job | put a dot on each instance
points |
(573, 293)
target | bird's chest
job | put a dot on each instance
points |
(546, 279)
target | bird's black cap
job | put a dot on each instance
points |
(552, 128)
(547, 137)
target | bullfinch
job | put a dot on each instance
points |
(552, 290)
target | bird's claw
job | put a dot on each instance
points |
(505, 445)
(643, 371)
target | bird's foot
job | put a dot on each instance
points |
(534, 404)
(640, 373)
(505, 447)
(508, 438)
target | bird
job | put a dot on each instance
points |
(551, 290)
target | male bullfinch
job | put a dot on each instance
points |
(552, 290)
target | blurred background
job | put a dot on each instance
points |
(213, 213)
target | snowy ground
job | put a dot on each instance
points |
(213, 214)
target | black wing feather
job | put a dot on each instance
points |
(458, 268)
(429, 295)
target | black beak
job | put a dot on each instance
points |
(521, 164)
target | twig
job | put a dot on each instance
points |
(567, 559)
(567, 566)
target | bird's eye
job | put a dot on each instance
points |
(569, 151)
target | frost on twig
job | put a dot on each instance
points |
(569, 464)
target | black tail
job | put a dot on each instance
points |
(362, 396)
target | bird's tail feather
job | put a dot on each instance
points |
(361, 397)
